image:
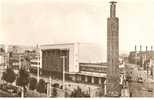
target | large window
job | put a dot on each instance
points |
(52, 60)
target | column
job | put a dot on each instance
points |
(99, 80)
(50, 86)
(22, 92)
(153, 72)
(86, 79)
(78, 78)
(41, 52)
(105, 87)
(38, 70)
(92, 80)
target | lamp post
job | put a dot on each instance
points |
(22, 92)
(105, 83)
(38, 70)
(63, 57)
(63, 82)
(19, 62)
(49, 90)
(147, 70)
(20, 65)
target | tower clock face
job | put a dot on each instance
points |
(114, 27)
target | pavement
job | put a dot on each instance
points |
(125, 91)
(73, 84)
(5, 94)
(93, 89)
(141, 89)
(32, 93)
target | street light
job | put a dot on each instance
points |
(20, 65)
(63, 57)
(19, 61)
(22, 92)
(49, 87)
(38, 70)
(105, 83)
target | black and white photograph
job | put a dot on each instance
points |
(76, 48)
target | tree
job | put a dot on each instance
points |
(41, 86)
(78, 93)
(32, 83)
(9, 75)
(23, 78)
(2, 50)
(26, 62)
(54, 92)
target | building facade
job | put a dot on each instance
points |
(81, 65)
(141, 58)
(78, 65)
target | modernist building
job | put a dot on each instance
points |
(113, 74)
(81, 62)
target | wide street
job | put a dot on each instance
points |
(5, 94)
(141, 89)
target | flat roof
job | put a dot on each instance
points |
(95, 66)
(57, 44)
(93, 74)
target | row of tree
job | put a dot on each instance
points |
(41, 86)
(23, 79)
(79, 93)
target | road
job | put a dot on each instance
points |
(84, 86)
(5, 94)
(141, 89)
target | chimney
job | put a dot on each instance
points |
(146, 48)
(135, 48)
(140, 48)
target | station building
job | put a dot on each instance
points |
(82, 62)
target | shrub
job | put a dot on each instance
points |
(32, 83)
(41, 86)
(9, 75)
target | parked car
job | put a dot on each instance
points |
(128, 78)
(150, 89)
(56, 85)
(140, 80)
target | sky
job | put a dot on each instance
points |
(31, 22)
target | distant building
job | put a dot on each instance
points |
(134, 72)
(34, 63)
(141, 58)
(26, 59)
(15, 60)
(3, 60)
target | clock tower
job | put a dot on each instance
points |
(113, 74)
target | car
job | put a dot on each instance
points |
(150, 89)
(56, 85)
(140, 80)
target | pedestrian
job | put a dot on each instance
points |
(130, 94)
